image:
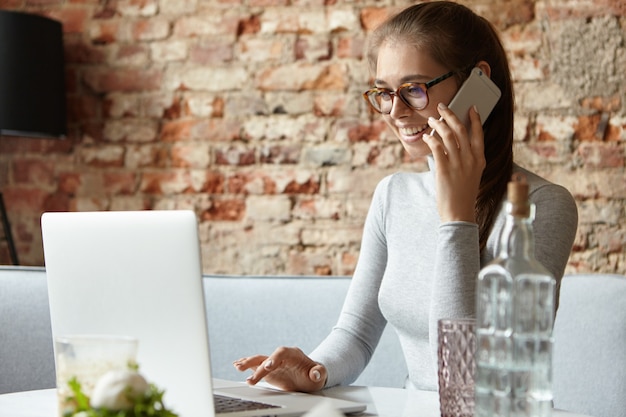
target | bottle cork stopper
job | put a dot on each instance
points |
(517, 191)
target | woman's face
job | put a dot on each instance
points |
(399, 63)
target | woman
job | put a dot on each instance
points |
(428, 234)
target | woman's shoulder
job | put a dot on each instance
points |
(543, 190)
(405, 182)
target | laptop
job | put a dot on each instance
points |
(139, 273)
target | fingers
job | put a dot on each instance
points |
(460, 161)
(453, 134)
(251, 362)
(476, 140)
(286, 368)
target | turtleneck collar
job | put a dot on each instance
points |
(431, 163)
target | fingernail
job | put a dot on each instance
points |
(442, 106)
(268, 364)
(250, 379)
(475, 109)
(316, 375)
(431, 120)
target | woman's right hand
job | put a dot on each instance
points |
(287, 368)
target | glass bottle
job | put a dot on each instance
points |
(515, 298)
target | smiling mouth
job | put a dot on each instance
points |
(412, 131)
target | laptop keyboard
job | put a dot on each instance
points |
(225, 404)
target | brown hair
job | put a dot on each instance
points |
(457, 38)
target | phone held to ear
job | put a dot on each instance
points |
(477, 90)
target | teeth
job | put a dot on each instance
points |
(410, 131)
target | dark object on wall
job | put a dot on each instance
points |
(32, 79)
(8, 237)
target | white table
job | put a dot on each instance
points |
(382, 402)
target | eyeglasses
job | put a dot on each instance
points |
(414, 95)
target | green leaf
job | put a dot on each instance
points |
(150, 405)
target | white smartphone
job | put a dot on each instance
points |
(477, 90)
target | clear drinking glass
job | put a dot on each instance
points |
(86, 358)
(456, 366)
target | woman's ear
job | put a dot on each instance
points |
(484, 66)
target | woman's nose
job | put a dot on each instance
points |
(399, 108)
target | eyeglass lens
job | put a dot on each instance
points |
(414, 95)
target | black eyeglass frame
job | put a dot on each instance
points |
(425, 86)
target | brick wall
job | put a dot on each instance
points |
(249, 112)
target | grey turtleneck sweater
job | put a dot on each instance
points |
(413, 270)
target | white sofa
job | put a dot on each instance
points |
(244, 318)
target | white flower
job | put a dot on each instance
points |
(117, 390)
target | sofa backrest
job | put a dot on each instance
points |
(256, 314)
(246, 315)
(26, 358)
(589, 365)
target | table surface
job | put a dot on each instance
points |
(382, 402)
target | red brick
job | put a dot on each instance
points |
(214, 183)
(71, 82)
(92, 131)
(547, 150)
(104, 80)
(69, 183)
(33, 171)
(310, 186)
(74, 19)
(507, 13)
(79, 52)
(333, 106)
(250, 25)
(367, 133)
(601, 155)
(214, 130)
(116, 183)
(103, 156)
(18, 144)
(22, 199)
(371, 17)
(225, 210)
(133, 55)
(57, 202)
(256, 182)
(166, 182)
(587, 127)
(267, 3)
(235, 156)
(83, 107)
(10, 4)
(350, 47)
(602, 104)
(211, 53)
(206, 24)
(149, 29)
(104, 32)
(280, 154)
(190, 154)
(568, 9)
(174, 110)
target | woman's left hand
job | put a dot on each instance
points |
(459, 160)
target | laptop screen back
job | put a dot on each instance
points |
(135, 273)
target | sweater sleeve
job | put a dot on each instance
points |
(554, 227)
(349, 347)
(454, 285)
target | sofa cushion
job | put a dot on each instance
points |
(26, 353)
(246, 315)
(256, 314)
